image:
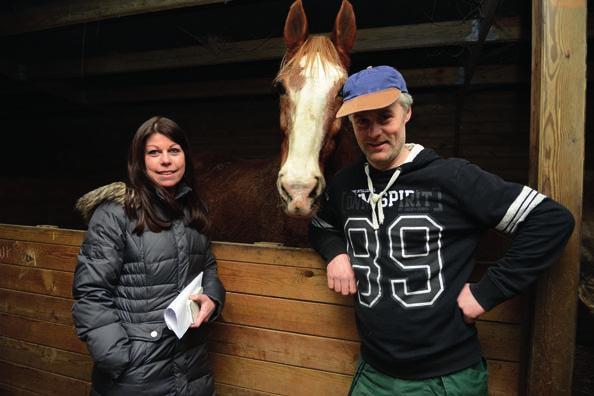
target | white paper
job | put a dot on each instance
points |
(178, 315)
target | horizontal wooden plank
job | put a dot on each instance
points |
(339, 322)
(499, 340)
(417, 78)
(308, 284)
(48, 282)
(38, 255)
(326, 320)
(69, 12)
(296, 257)
(283, 379)
(502, 375)
(57, 361)
(52, 309)
(277, 378)
(9, 390)
(39, 332)
(231, 390)
(491, 247)
(311, 285)
(58, 236)
(338, 356)
(36, 306)
(35, 380)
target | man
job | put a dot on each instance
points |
(399, 228)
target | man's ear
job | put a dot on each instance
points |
(408, 114)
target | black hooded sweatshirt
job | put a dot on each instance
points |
(410, 271)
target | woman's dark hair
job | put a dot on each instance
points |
(141, 201)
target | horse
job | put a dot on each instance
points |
(272, 200)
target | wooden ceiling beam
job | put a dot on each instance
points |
(488, 9)
(487, 17)
(72, 12)
(368, 40)
(416, 78)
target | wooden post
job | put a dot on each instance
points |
(557, 160)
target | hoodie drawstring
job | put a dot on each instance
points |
(375, 198)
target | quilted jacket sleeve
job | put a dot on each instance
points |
(96, 276)
(212, 285)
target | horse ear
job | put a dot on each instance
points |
(296, 30)
(345, 31)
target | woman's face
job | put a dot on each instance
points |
(164, 160)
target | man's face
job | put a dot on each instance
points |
(381, 135)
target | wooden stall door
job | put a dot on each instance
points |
(281, 332)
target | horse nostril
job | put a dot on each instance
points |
(286, 193)
(314, 191)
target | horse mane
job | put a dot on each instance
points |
(320, 45)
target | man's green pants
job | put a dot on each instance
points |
(471, 381)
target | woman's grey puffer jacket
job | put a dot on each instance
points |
(122, 284)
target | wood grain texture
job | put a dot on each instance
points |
(38, 255)
(277, 378)
(57, 361)
(36, 306)
(41, 381)
(326, 320)
(557, 160)
(499, 340)
(231, 390)
(9, 390)
(43, 333)
(287, 380)
(48, 282)
(320, 353)
(285, 333)
(59, 236)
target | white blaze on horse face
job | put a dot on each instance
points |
(300, 175)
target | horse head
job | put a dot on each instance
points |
(309, 81)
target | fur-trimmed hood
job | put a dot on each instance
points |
(87, 204)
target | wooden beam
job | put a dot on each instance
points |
(72, 12)
(557, 161)
(417, 78)
(488, 9)
(368, 40)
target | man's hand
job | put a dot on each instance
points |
(341, 277)
(207, 307)
(471, 309)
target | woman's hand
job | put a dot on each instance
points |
(207, 307)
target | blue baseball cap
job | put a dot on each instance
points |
(370, 89)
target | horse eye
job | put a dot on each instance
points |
(280, 88)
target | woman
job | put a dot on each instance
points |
(143, 245)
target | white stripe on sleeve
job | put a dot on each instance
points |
(317, 222)
(519, 209)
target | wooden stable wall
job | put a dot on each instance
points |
(281, 332)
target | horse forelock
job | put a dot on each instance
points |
(314, 49)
